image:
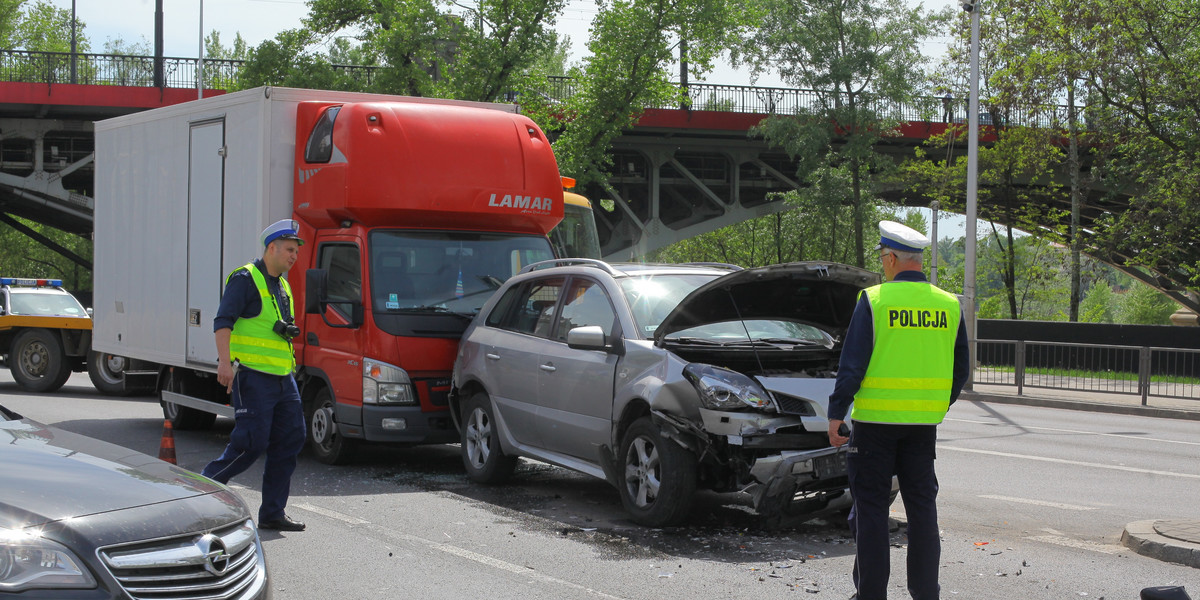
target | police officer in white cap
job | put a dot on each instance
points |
(255, 362)
(903, 363)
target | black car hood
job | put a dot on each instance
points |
(821, 293)
(47, 474)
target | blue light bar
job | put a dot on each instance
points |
(33, 282)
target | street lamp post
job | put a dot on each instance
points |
(972, 6)
(200, 54)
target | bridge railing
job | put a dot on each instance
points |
(138, 71)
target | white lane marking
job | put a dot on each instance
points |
(455, 550)
(325, 512)
(1062, 461)
(1059, 540)
(1038, 502)
(1140, 438)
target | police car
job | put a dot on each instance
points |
(45, 333)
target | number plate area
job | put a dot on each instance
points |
(833, 465)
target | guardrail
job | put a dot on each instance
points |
(1135, 370)
(138, 71)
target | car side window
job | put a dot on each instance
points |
(533, 312)
(585, 304)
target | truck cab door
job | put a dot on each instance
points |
(337, 351)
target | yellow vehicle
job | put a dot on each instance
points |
(576, 236)
(44, 331)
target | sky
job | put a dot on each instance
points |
(259, 20)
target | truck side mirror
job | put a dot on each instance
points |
(316, 299)
(316, 292)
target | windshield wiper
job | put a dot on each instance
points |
(694, 340)
(433, 308)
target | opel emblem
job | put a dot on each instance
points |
(216, 557)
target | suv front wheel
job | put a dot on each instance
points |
(659, 476)
(481, 453)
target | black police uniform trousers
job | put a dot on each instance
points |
(877, 452)
(268, 419)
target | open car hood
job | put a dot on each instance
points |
(820, 293)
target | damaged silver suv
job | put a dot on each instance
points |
(662, 379)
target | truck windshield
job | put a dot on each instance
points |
(443, 271)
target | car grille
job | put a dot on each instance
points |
(221, 565)
(791, 405)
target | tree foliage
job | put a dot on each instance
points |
(25, 257)
(861, 57)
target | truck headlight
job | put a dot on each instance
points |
(386, 384)
(723, 389)
(30, 562)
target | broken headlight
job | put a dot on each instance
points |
(723, 389)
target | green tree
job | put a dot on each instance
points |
(43, 27)
(1098, 304)
(1144, 305)
(24, 256)
(1138, 58)
(10, 13)
(861, 57)
(633, 43)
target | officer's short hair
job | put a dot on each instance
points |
(901, 255)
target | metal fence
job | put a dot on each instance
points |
(1135, 370)
(116, 69)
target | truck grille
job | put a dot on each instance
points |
(222, 565)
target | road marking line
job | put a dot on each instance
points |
(455, 550)
(1058, 540)
(1140, 438)
(1072, 462)
(1038, 502)
(325, 512)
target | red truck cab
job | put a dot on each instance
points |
(413, 214)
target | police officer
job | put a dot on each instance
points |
(904, 362)
(255, 362)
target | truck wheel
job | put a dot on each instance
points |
(328, 444)
(37, 361)
(183, 417)
(659, 476)
(481, 453)
(107, 372)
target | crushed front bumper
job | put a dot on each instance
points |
(783, 471)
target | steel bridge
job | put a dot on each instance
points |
(679, 172)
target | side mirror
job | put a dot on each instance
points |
(316, 291)
(316, 299)
(590, 337)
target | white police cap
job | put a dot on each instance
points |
(286, 229)
(898, 236)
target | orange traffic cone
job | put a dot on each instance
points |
(166, 449)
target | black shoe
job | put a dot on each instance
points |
(284, 523)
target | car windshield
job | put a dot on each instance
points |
(445, 272)
(42, 304)
(653, 297)
(731, 333)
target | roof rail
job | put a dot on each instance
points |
(566, 262)
(714, 264)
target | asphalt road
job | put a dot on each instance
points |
(1033, 502)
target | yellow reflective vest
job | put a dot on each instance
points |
(253, 342)
(911, 370)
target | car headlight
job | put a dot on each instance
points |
(30, 562)
(386, 384)
(723, 389)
